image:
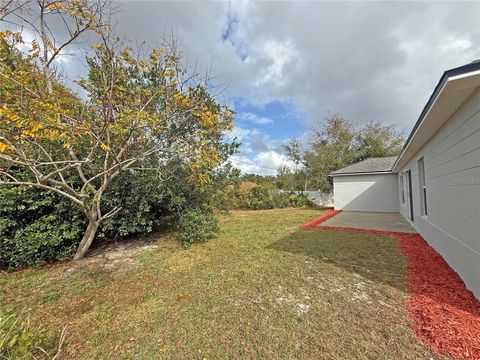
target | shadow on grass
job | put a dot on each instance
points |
(374, 257)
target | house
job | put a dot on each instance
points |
(368, 185)
(435, 181)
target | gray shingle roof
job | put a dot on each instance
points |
(382, 164)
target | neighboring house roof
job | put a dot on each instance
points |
(453, 89)
(247, 185)
(381, 165)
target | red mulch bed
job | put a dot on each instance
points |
(445, 315)
(315, 222)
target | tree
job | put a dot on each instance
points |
(285, 178)
(289, 180)
(55, 26)
(376, 140)
(300, 175)
(337, 144)
(331, 147)
(141, 114)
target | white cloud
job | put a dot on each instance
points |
(264, 163)
(243, 134)
(273, 159)
(366, 60)
(253, 118)
(259, 153)
(278, 55)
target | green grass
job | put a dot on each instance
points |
(262, 289)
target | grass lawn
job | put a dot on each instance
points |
(263, 289)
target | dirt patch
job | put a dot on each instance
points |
(118, 256)
(298, 304)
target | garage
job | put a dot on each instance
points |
(368, 185)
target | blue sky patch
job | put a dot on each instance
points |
(285, 120)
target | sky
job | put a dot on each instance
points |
(283, 66)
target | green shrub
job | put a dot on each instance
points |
(18, 340)
(224, 200)
(257, 198)
(197, 226)
(37, 227)
(299, 200)
(143, 199)
(281, 199)
(263, 197)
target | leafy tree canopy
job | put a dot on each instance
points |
(142, 113)
(338, 143)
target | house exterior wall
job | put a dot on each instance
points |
(452, 176)
(376, 192)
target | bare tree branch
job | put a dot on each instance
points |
(42, 186)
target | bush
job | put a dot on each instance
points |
(18, 340)
(224, 200)
(256, 198)
(197, 226)
(262, 197)
(37, 227)
(281, 199)
(299, 200)
(143, 199)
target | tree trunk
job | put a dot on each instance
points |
(87, 239)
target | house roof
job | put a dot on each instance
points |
(380, 165)
(454, 87)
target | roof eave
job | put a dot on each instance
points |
(361, 173)
(445, 84)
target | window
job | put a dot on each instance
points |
(402, 188)
(408, 174)
(423, 187)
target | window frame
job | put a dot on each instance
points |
(422, 185)
(402, 187)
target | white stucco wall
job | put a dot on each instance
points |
(366, 192)
(452, 171)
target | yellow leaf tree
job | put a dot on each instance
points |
(71, 19)
(141, 113)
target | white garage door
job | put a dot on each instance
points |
(366, 192)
